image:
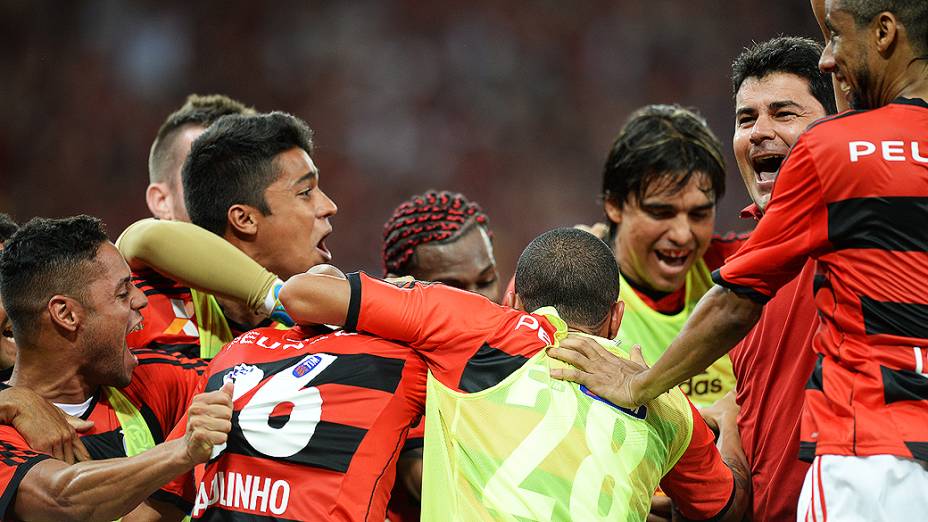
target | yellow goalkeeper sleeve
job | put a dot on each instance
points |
(197, 258)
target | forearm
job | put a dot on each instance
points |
(316, 299)
(719, 321)
(97, 490)
(191, 255)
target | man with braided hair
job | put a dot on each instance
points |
(442, 237)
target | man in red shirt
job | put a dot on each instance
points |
(71, 303)
(851, 196)
(779, 91)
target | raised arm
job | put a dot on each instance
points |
(108, 489)
(196, 257)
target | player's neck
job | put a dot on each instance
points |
(50, 374)
(913, 83)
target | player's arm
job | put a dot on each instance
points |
(196, 257)
(108, 489)
(423, 315)
(709, 482)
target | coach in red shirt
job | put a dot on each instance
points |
(779, 91)
(853, 195)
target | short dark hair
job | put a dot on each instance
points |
(666, 144)
(47, 257)
(439, 217)
(571, 270)
(197, 110)
(233, 162)
(912, 13)
(785, 54)
(7, 227)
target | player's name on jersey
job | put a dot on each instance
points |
(257, 338)
(891, 150)
(244, 492)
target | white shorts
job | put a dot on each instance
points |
(867, 489)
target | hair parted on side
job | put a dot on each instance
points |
(432, 217)
(7, 227)
(785, 54)
(199, 110)
(44, 258)
(665, 144)
(913, 14)
(571, 270)
(233, 163)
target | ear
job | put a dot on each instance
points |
(159, 200)
(615, 319)
(65, 313)
(243, 220)
(613, 211)
(886, 29)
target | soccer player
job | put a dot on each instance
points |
(505, 441)
(661, 182)
(852, 196)
(165, 193)
(779, 91)
(69, 297)
(250, 180)
(442, 237)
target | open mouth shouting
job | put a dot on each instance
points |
(323, 250)
(766, 167)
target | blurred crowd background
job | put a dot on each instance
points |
(514, 103)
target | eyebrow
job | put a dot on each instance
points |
(124, 282)
(777, 105)
(307, 177)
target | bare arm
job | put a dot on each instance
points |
(320, 296)
(108, 489)
(720, 320)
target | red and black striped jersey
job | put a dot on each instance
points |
(319, 421)
(161, 388)
(169, 322)
(16, 459)
(853, 195)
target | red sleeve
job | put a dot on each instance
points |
(16, 459)
(447, 326)
(166, 383)
(794, 227)
(700, 484)
(722, 247)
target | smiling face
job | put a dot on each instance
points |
(291, 239)
(111, 304)
(770, 114)
(662, 235)
(466, 263)
(851, 56)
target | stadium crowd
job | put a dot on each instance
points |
(212, 362)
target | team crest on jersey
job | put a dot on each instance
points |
(641, 412)
(306, 365)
